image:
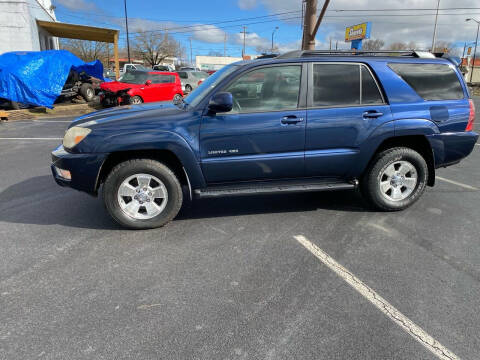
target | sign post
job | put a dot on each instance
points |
(356, 33)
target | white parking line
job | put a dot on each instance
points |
(457, 183)
(23, 138)
(383, 305)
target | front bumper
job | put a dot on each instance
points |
(84, 169)
(110, 98)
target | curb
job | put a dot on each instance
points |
(58, 111)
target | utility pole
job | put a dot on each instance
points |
(191, 56)
(126, 26)
(244, 33)
(475, 50)
(330, 48)
(311, 23)
(273, 32)
(225, 45)
(435, 27)
(336, 45)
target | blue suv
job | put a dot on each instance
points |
(303, 121)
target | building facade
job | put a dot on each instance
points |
(214, 62)
(472, 74)
(19, 30)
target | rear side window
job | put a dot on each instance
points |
(370, 92)
(431, 81)
(162, 79)
(183, 75)
(344, 85)
(336, 85)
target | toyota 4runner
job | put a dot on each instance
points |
(303, 121)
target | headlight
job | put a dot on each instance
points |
(75, 135)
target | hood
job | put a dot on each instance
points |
(116, 86)
(121, 113)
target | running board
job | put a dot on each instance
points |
(274, 187)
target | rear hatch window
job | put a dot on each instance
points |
(431, 81)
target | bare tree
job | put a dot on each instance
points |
(214, 53)
(373, 44)
(447, 47)
(403, 46)
(154, 47)
(86, 50)
(266, 50)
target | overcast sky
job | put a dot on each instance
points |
(210, 23)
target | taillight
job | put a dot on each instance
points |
(471, 118)
(200, 82)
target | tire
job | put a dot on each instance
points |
(177, 98)
(87, 92)
(136, 100)
(395, 179)
(188, 88)
(162, 181)
(18, 106)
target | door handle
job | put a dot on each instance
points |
(291, 119)
(372, 114)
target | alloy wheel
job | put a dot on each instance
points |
(142, 196)
(398, 180)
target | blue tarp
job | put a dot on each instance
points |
(37, 77)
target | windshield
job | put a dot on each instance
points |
(133, 77)
(141, 67)
(210, 82)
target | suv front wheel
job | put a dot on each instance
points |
(142, 194)
(396, 179)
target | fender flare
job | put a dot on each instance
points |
(394, 129)
(151, 140)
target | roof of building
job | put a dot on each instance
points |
(73, 31)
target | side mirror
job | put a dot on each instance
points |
(221, 102)
(148, 82)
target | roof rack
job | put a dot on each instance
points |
(305, 53)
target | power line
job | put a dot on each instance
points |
(227, 21)
(407, 9)
(219, 27)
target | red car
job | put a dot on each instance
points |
(136, 87)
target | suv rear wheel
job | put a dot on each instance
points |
(142, 194)
(396, 179)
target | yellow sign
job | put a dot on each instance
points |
(356, 32)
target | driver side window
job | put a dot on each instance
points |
(266, 89)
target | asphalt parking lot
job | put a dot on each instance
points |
(234, 278)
